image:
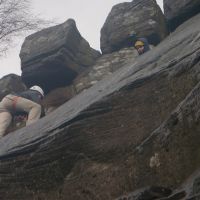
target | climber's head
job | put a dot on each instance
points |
(141, 45)
(37, 88)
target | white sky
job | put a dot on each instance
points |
(89, 15)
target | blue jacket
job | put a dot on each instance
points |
(32, 95)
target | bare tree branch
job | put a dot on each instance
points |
(16, 19)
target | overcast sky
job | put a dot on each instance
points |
(89, 15)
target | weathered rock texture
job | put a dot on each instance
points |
(105, 65)
(143, 17)
(136, 128)
(178, 11)
(147, 193)
(57, 97)
(11, 83)
(54, 56)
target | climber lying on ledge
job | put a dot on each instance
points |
(28, 101)
(142, 45)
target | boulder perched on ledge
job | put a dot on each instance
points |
(54, 56)
(178, 11)
(142, 17)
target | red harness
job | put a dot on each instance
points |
(15, 98)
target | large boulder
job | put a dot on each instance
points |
(142, 17)
(54, 56)
(11, 83)
(178, 11)
(135, 128)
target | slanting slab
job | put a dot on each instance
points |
(86, 149)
